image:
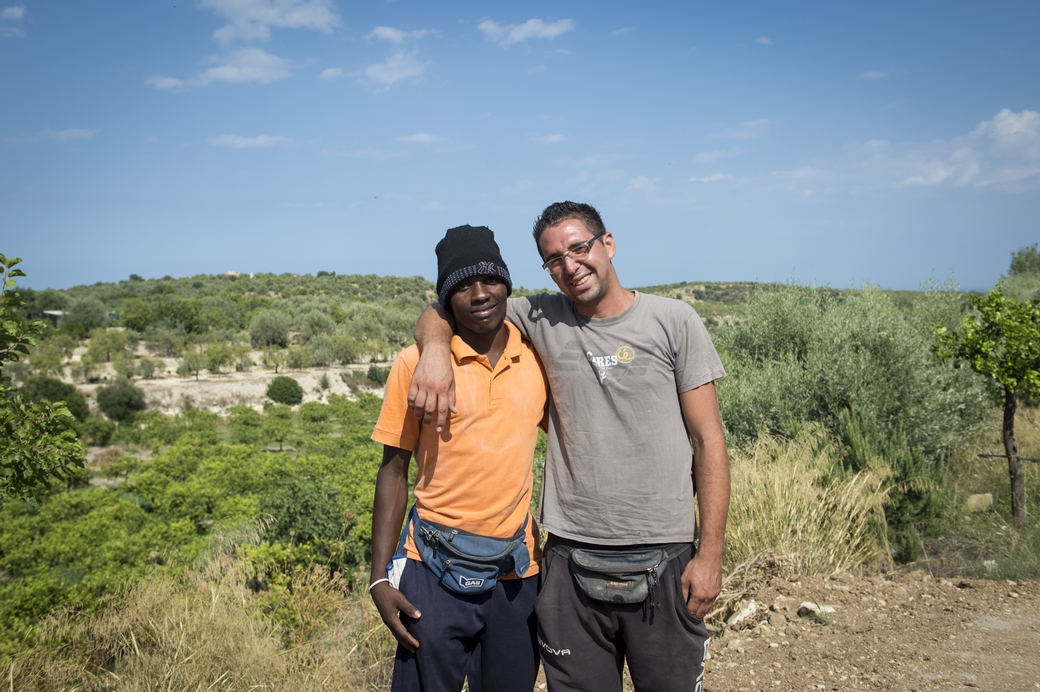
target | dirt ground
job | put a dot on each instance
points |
(911, 632)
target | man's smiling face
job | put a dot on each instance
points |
(479, 303)
(584, 281)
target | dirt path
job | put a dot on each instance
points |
(912, 633)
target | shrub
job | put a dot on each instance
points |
(146, 368)
(96, 431)
(285, 390)
(245, 425)
(40, 389)
(278, 424)
(120, 399)
(377, 374)
(300, 358)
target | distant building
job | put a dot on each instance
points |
(54, 316)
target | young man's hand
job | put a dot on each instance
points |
(391, 604)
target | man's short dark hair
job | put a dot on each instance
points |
(564, 211)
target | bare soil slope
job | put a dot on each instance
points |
(912, 632)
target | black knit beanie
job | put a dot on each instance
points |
(464, 252)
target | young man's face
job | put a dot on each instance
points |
(584, 281)
(479, 303)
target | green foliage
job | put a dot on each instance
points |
(1025, 260)
(120, 400)
(87, 312)
(270, 328)
(136, 314)
(285, 390)
(314, 417)
(245, 425)
(39, 445)
(218, 355)
(313, 511)
(193, 363)
(146, 368)
(299, 357)
(43, 389)
(806, 355)
(377, 374)
(278, 424)
(74, 550)
(1000, 342)
(919, 495)
(96, 431)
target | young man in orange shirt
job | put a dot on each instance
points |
(473, 487)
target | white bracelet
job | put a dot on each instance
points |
(377, 581)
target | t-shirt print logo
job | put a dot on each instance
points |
(625, 354)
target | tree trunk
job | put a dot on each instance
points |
(1018, 477)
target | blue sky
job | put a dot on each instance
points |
(829, 142)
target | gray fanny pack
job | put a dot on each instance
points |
(620, 576)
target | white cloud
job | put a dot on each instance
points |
(11, 32)
(640, 183)
(622, 32)
(1004, 150)
(243, 65)
(258, 142)
(550, 139)
(389, 33)
(717, 155)
(508, 34)
(763, 41)
(421, 138)
(13, 14)
(873, 74)
(253, 19)
(164, 83)
(400, 65)
(746, 130)
(331, 73)
(713, 178)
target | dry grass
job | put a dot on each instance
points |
(790, 498)
(207, 631)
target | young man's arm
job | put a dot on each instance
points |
(391, 501)
(432, 391)
(702, 578)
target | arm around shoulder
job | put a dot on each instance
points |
(431, 394)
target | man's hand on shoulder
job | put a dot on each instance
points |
(391, 604)
(701, 584)
(431, 395)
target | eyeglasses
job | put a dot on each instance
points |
(579, 252)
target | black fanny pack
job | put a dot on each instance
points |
(620, 576)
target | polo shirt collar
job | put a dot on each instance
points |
(463, 351)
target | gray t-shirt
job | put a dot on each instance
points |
(618, 466)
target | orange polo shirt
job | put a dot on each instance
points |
(476, 474)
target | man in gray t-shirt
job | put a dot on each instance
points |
(632, 383)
